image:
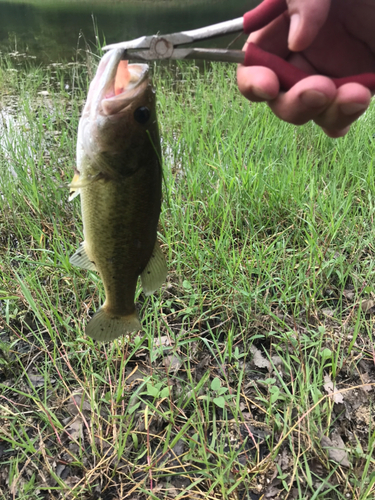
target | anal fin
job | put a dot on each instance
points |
(155, 272)
(81, 259)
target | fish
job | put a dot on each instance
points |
(118, 177)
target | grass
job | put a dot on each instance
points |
(268, 309)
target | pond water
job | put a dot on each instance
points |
(52, 30)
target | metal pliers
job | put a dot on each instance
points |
(150, 48)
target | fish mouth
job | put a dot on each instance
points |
(120, 82)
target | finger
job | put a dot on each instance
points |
(335, 134)
(307, 100)
(306, 19)
(273, 37)
(350, 103)
(257, 83)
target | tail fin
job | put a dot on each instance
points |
(106, 327)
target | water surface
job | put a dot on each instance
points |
(52, 31)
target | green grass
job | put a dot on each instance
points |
(268, 232)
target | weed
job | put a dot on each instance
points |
(259, 345)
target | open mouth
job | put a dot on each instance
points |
(123, 82)
(129, 76)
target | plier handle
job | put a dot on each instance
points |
(157, 47)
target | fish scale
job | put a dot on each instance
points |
(119, 179)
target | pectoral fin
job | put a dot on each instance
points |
(78, 183)
(81, 259)
(74, 190)
(155, 272)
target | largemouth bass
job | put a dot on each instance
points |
(119, 179)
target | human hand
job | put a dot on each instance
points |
(322, 37)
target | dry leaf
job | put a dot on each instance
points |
(60, 469)
(78, 404)
(363, 414)
(366, 305)
(330, 389)
(247, 416)
(203, 363)
(284, 460)
(179, 448)
(277, 360)
(336, 449)
(75, 429)
(164, 341)
(272, 492)
(72, 481)
(258, 360)
(328, 312)
(38, 380)
(365, 377)
(349, 294)
(158, 487)
(172, 362)
(172, 491)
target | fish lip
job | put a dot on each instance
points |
(118, 103)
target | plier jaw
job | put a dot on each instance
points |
(154, 48)
(158, 47)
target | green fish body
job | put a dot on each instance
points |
(119, 179)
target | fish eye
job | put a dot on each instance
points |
(142, 115)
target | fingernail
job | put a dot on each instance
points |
(261, 93)
(293, 28)
(351, 108)
(313, 99)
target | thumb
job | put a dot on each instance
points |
(306, 19)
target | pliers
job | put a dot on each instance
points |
(157, 47)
